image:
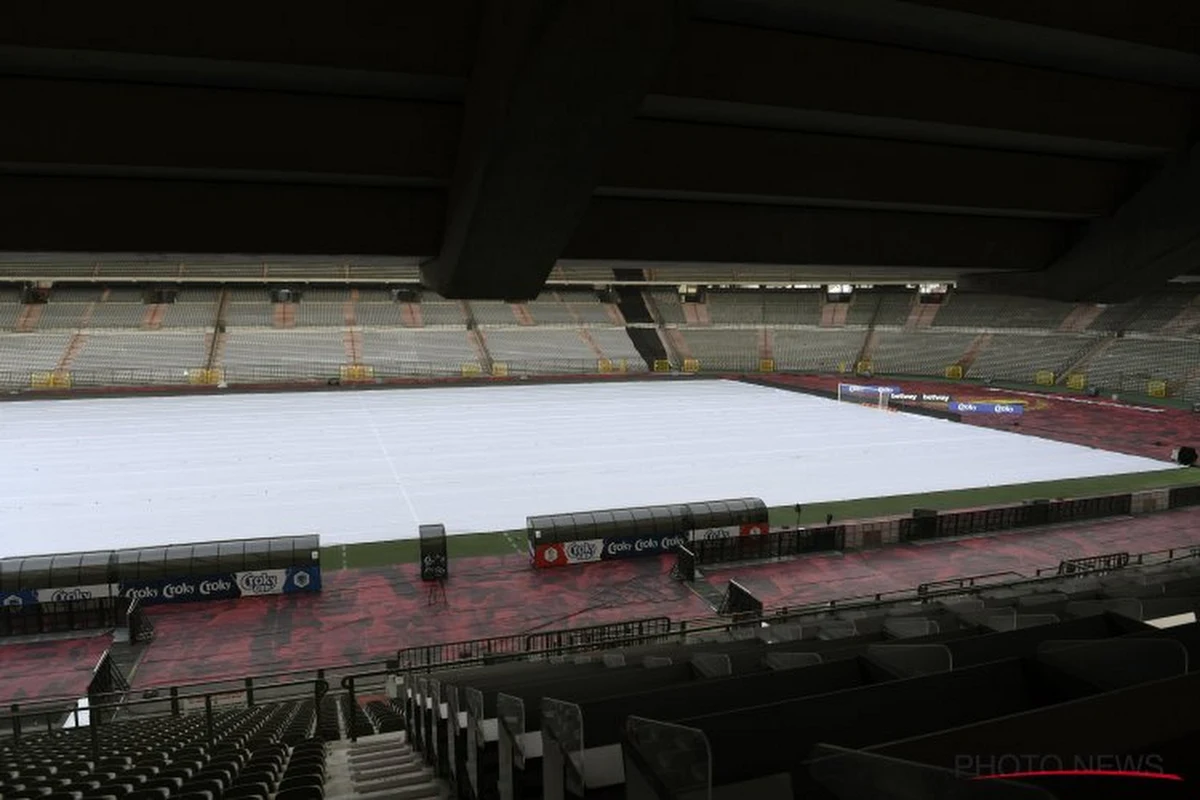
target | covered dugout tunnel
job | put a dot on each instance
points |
(588, 536)
(175, 573)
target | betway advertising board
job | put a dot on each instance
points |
(565, 554)
(224, 587)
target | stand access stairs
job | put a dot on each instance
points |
(381, 767)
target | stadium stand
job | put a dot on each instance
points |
(764, 307)
(436, 311)
(310, 313)
(549, 309)
(259, 752)
(723, 349)
(1127, 364)
(254, 356)
(585, 307)
(998, 311)
(76, 294)
(63, 314)
(379, 312)
(10, 307)
(590, 722)
(917, 353)
(417, 352)
(920, 676)
(21, 353)
(568, 329)
(1157, 310)
(122, 358)
(669, 308)
(616, 346)
(492, 313)
(249, 308)
(541, 349)
(191, 309)
(110, 314)
(880, 307)
(822, 350)
(1017, 357)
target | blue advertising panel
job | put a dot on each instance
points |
(303, 579)
(987, 408)
(25, 597)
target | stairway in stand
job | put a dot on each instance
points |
(379, 767)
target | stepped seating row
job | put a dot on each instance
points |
(385, 717)
(1144, 315)
(747, 706)
(1129, 363)
(881, 308)
(123, 307)
(254, 754)
(964, 310)
(918, 353)
(543, 349)
(723, 349)
(1018, 358)
(72, 308)
(825, 351)
(764, 308)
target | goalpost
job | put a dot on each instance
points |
(871, 396)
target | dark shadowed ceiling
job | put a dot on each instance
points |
(1013, 145)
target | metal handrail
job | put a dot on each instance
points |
(320, 688)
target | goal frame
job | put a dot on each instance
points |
(867, 396)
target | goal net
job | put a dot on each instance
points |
(871, 396)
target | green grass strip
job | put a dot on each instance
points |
(405, 551)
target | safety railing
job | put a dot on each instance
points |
(328, 373)
(101, 714)
(496, 648)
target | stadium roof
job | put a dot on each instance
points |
(1012, 145)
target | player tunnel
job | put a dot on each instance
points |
(588, 536)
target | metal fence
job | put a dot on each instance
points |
(308, 372)
(776, 544)
(519, 645)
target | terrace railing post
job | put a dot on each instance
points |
(208, 720)
(350, 723)
(174, 701)
(93, 734)
(16, 726)
(249, 692)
